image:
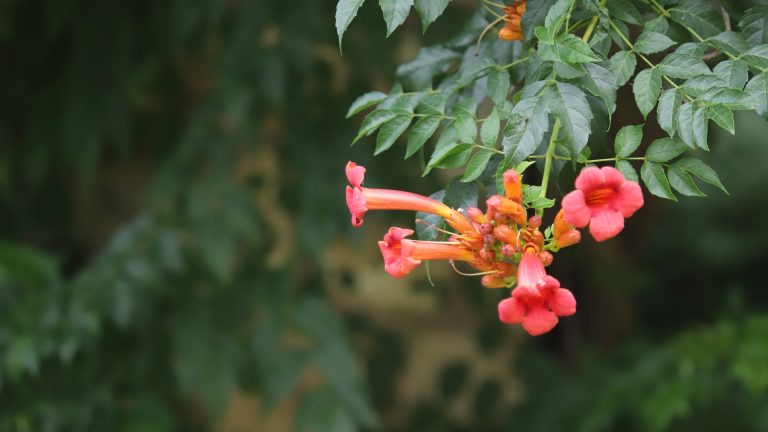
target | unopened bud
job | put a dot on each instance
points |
(486, 228)
(493, 281)
(569, 238)
(508, 250)
(505, 234)
(513, 186)
(476, 215)
(487, 255)
(546, 258)
(534, 222)
(489, 239)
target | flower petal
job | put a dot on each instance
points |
(511, 311)
(356, 204)
(539, 321)
(606, 223)
(575, 210)
(613, 177)
(562, 302)
(629, 199)
(355, 173)
(590, 178)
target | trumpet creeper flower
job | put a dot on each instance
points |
(401, 255)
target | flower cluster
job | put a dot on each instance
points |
(513, 15)
(504, 244)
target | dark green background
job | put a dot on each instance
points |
(176, 253)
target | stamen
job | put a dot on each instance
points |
(473, 274)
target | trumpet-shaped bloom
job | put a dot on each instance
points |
(563, 232)
(401, 255)
(361, 199)
(513, 30)
(602, 199)
(538, 300)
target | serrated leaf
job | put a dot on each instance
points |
(460, 195)
(729, 42)
(568, 49)
(522, 137)
(685, 125)
(650, 42)
(429, 62)
(754, 24)
(365, 101)
(683, 66)
(668, 109)
(345, 13)
(757, 56)
(420, 132)
(445, 144)
(733, 72)
(628, 140)
(665, 149)
(568, 70)
(557, 14)
(569, 104)
(702, 171)
(646, 88)
(427, 229)
(704, 86)
(682, 182)
(476, 165)
(625, 11)
(466, 128)
(758, 88)
(600, 82)
(429, 10)
(498, 85)
(627, 170)
(722, 116)
(489, 132)
(432, 104)
(395, 12)
(390, 132)
(373, 121)
(623, 65)
(734, 99)
(656, 181)
(658, 24)
(535, 13)
(700, 127)
(700, 16)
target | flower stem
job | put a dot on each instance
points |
(548, 160)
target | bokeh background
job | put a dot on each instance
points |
(176, 253)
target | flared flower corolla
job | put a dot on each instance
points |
(513, 14)
(401, 255)
(538, 300)
(361, 199)
(603, 199)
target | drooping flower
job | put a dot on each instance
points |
(538, 300)
(603, 199)
(513, 29)
(401, 255)
(361, 199)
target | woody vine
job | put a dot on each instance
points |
(527, 84)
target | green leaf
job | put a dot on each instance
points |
(628, 140)
(734, 99)
(683, 66)
(373, 121)
(433, 104)
(722, 116)
(733, 72)
(460, 195)
(685, 125)
(729, 42)
(704, 86)
(535, 13)
(682, 182)
(390, 132)
(395, 12)
(429, 10)
(627, 170)
(700, 127)
(758, 88)
(447, 148)
(757, 56)
(569, 49)
(557, 14)
(427, 229)
(498, 85)
(489, 132)
(646, 88)
(522, 137)
(421, 131)
(668, 109)
(600, 82)
(702, 171)
(665, 149)
(754, 24)
(625, 11)
(656, 181)
(700, 16)
(429, 62)
(569, 104)
(476, 165)
(650, 42)
(466, 128)
(623, 65)
(365, 101)
(345, 13)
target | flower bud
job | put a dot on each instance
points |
(476, 215)
(569, 238)
(486, 228)
(546, 258)
(534, 222)
(506, 206)
(493, 281)
(513, 185)
(487, 255)
(508, 250)
(489, 239)
(505, 234)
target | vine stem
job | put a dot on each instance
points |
(556, 128)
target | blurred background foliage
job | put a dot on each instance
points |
(176, 253)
